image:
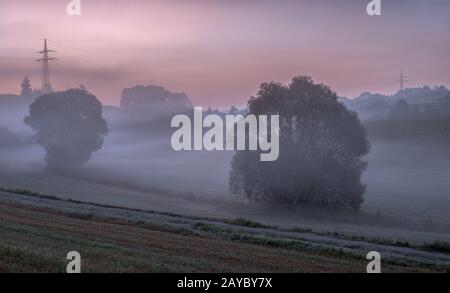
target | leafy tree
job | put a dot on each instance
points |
(321, 149)
(26, 90)
(69, 125)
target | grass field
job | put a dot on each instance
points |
(37, 232)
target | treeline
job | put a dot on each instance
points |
(420, 129)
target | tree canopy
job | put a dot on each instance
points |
(69, 125)
(321, 149)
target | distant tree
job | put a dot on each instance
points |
(154, 98)
(403, 110)
(233, 110)
(26, 90)
(150, 109)
(321, 149)
(69, 125)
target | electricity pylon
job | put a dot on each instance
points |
(403, 78)
(46, 87)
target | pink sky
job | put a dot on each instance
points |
(218, 52)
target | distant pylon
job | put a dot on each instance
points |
(403, 78)
(46, 87)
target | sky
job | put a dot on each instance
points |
(218, 52)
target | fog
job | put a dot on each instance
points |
(409, 179)
(151, 161)
(404, 182)
(407, 182)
